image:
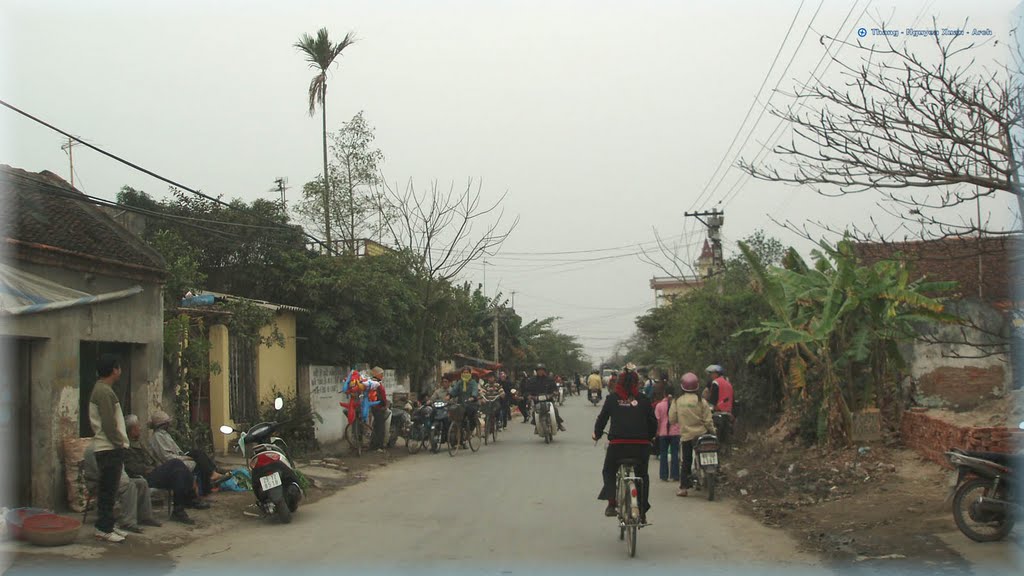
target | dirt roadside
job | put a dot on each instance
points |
(869, 506)
(329, 473)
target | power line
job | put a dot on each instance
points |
(764, 108)
(136, 166)
(757, 95)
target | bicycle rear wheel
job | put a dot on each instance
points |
(473, 436)
(454, 438)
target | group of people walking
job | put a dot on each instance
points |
(638, 417)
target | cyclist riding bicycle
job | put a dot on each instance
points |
(633, 427)
(466, 390)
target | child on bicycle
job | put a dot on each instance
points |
(633, 426)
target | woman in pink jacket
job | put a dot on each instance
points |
(668, 440)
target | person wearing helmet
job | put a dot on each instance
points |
(719, 392)
(541, 383)
(693, 416)
(594, 382)
(633, 427)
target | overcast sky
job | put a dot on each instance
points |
(601, 120)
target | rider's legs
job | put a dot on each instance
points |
(616, 452)
(686, 448)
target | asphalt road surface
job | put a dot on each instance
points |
(516, 507)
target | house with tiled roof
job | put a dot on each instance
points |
(76, 284)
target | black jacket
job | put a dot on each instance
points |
(539, 385)
(629, 421)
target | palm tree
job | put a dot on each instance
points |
(320, 53)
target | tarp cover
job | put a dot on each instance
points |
(25, 293)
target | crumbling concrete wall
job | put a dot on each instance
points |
(960, 368)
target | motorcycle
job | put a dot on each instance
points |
(438, 425)
(594, 396)
(723, 425)
(985, 493)
(274, 480)
(705, 451)
(560, 395)
(419, 429)
(399, 424)
(544, 413)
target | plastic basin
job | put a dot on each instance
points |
(15, 519)
(50, 530)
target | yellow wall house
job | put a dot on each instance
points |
(249, 379)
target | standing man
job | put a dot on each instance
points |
(524, 403)
(110, 440)
(719, 392)
(375, 393)
(506, 400)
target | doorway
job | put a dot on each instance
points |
(89, 354)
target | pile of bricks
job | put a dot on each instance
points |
(932, 437)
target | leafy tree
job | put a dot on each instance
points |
(356, 209)
(834, 331)
(320, 54)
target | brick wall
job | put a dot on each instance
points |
(932, 437)
(962, 387)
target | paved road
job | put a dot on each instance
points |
(514, 507)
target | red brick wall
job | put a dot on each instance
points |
(932, 437)
(963, 387)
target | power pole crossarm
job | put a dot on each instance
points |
(713, 220)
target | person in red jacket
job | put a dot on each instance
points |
(719, 392)
(633, 426)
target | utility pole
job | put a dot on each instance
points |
(713, 220)
(68, 147)
(495, 335)
(282, 187)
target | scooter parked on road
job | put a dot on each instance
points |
(274, 481)
(705, 452)
(985, 493)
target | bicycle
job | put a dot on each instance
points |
(461, 429)
(359, 431)
(491, 420)
(627, 491)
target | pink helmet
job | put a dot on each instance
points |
(690, 382)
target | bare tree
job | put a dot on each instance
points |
(441, 232)
(931, 130)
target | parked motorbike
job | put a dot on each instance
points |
(594, 396)
(419, 429)
(705, 461)
(723, 425)
(438, 425)
(399, 424)
(274, 481)
(544, 412)
(985, 493)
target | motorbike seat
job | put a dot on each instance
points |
(1001, 458)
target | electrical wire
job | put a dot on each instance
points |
(135, 166)
(764, 108)
(757, 96)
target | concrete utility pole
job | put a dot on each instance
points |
(68, 147)
(714, 221)
(495, 335)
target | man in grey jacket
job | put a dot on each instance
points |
(110, 440)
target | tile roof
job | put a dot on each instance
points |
(52, 223)
(956, 259)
